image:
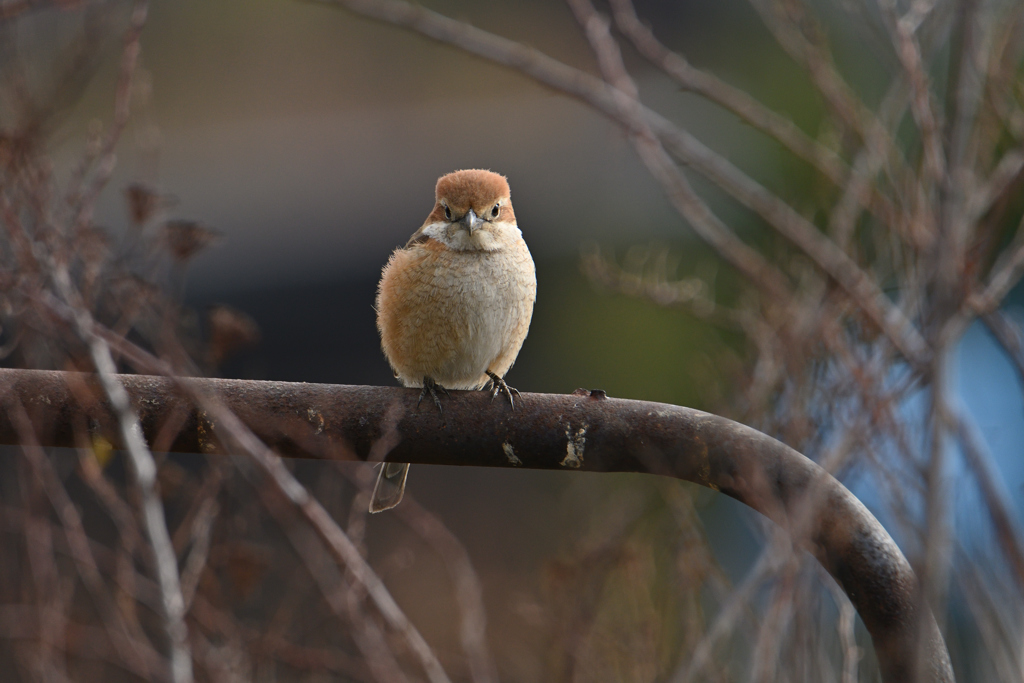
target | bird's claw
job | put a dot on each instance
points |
(498, 386)
(431, 387)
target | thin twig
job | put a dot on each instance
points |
(846, 631)
(145, 471)
(790, 24)
(739, 102)
(465, 584)
(1005, 274)
(130, 644)
(725, 622)
(83, 203)
(344, 597)
(993, 490)
(934, 568)
(1008, 334)
(922, 104)
(1002, 178)
(233, 430)
(330, 533)
(202, 530)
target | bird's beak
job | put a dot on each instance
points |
(470, 221)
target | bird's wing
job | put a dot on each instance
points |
(418, 237)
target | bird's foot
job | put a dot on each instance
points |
(431, 387)
(498, 386)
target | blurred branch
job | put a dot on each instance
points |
(13, 9)
(613, 102)
(732, 612)
(739, 102)
(1005, 274)
(1002, 178)
(867, 163)
(922, 104)
(651, 151)
(82, 204)
(344, 551)
(466, 587)
(343, 599)
(1008, 334)
(145, 471)
(219, 421)
(580, 431)
(131, 647)
(465, 584)
(937, 532)
(985, 595)
(993, 490)
(225, 425)
(24, 622)
(803, 39)
(202, 530)
(851, 653)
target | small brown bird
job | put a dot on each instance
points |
(454, 305)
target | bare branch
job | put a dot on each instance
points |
(733, 611)
(935, 565)
(1002, 178)
(144, 469)
(782, 129)
(791, 26)
(1009, 336)
(202, 530)
(1006, 273)
(465, 583)
(130, 645)
(228, 428)
(617, 104)
(82, 203)
(922, 104)
(866, 165)
(345, 600)
(651, 152)
(344, 551)
(993, 490)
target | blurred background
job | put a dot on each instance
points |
(309, 139)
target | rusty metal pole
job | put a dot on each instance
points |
(584, 431)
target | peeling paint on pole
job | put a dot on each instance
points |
(575, 443)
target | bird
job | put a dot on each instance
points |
(454, 304)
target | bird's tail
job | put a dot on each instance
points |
(390, 487)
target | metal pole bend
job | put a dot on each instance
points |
(584, 431)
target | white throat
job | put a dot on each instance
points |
(488, 237)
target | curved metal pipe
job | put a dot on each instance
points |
(584, 430)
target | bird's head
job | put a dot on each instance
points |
(472, 211)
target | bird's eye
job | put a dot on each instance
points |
(495, 210)
(447, 213)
